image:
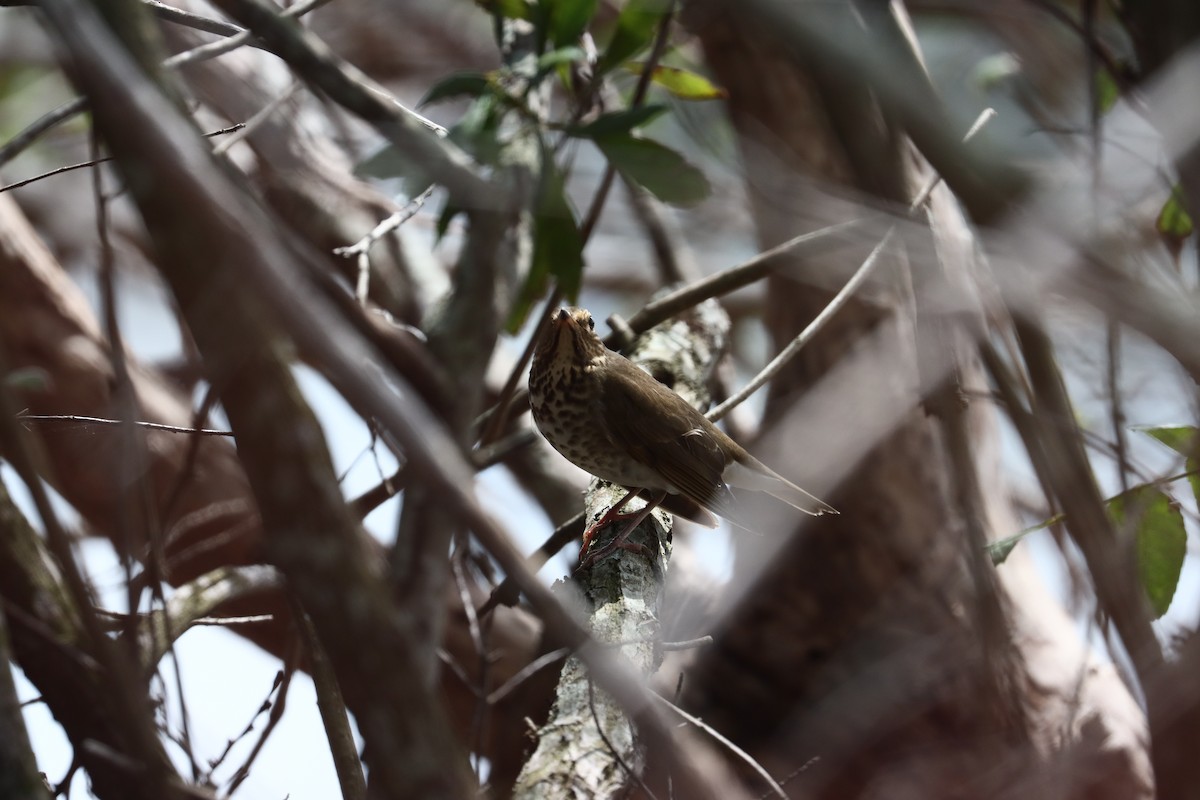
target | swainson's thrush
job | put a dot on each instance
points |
(608, 416)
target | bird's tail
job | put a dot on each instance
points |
(760, 478)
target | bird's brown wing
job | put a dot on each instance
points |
(657, 427)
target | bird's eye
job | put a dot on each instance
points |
(591, 323)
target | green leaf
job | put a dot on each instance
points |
(617, 122)
(1183, 440)
(477, 131)
(460, 84)
(1180, 438)
(568, 20)
(557, 244)
(1161, 540)
(655, 167)
(563, 55)
(1107, 91)
(634, 30)
(449, 212)
(681, 83)
(1173, 221)
(508, 9)
(1000, 549)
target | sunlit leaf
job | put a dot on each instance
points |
(682, 83)
(655, 167)
(1107, 91)
(634, 31)
(1161, 540)
(1174, 224)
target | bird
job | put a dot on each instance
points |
(609, 417)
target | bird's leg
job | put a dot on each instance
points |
(613, 513)
(618, 541)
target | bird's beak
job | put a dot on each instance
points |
(552, 337)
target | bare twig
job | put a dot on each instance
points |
(17, 144)
(360, 249)
(84, 421)
(812, 329)
(194, 601)
(508, 592)
(527, 672)
(255, 122)
(190, 20)
(736, 277)
(741, 754)
(241, 38)
(92, 163)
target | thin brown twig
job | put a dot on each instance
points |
(263, 707)
(258, 119)
(741, 754)
(810, 331)
(85, 420)
(612, 749)
(733, 278)
(94, 162)
(273, 718)
(32, 132)
(527, 672)
(508, 592)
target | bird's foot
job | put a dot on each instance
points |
(619, 541)
(612, 515)
(612, 547)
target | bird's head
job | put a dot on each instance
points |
(570, 337)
